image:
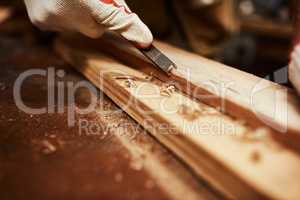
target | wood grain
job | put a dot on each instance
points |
(242, 95)
(240, 161)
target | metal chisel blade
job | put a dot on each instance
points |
(159, 59)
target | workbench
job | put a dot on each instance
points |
(106, 154)
(42, 158)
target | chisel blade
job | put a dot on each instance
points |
(159, 59)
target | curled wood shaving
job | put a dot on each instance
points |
(209, 111)
(129, 80)
(125, 77)
(130, 83)
(149, 78)
(167, 90)
(118, 177)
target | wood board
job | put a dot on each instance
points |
(240, 161)
(242, 95)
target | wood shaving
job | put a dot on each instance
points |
(209, 111)
(149, 78)
(52, 136)
(188, 113)
(3, 86)
(48, 147)
(259, 135)
(118, 177)
(124, 77)
(167, 90)
(149, 184)
(242, 122)
(130, 83)
(137, 164)
(254, 136)
(255, 157)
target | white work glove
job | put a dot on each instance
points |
(294, 68)
(89, 17)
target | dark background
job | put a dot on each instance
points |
(252, 35)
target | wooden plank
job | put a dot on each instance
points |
(258, 101)
(240, 161)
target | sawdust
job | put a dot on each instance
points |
(61, 143)
(149, 184)
(129, 81)
(124, 77)
(119, 177)
(262, 135)
(255, 157)
(253, 136)
(137, 164)
(3, 87)
(149, 78)
(191, 113)
(209, 111)
(241, 122)
(188, 113)
(52, 136)
(49, 148)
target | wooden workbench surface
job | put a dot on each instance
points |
(42, 158)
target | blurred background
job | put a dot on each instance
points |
(252, 35)
(42, 158)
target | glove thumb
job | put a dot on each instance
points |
(116, 16)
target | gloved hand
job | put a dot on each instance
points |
(90, 17)
(294, 68)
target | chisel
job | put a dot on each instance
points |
(159, 59)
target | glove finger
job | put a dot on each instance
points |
(116, 17)
(296, 52)
(295, 56)
(294, 75)
(122, 2)
(92, 29)
(119, 4)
